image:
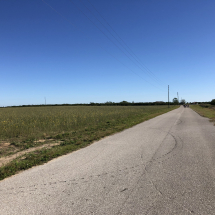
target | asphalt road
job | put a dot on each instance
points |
(165, 165)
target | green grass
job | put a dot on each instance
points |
(205, 110)
(75, 127)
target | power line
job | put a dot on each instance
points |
(60, 14)
(98, 44)
(150, 75)
(133, 54)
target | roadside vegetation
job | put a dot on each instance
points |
(206, 110)
(38, 134)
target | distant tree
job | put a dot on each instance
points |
(213, 101)
(108, 103)
(183, 101)
(175, 101)
(124, 103)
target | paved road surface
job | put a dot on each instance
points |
(163, 166)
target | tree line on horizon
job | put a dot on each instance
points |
(122, 103)
(108, 103)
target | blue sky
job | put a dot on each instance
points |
(61, 51)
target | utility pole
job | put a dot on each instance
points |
(168, 96)
(178, 97)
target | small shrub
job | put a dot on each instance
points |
(67, 143)
(15, 144)
(205, 105)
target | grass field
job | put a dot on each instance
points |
(71, 127)
(205, 110)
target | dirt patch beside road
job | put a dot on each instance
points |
(8, 159)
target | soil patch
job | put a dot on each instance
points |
(7, 159)
(4, 145)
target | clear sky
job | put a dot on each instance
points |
(81, 51)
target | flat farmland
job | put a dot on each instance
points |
(38, 134)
